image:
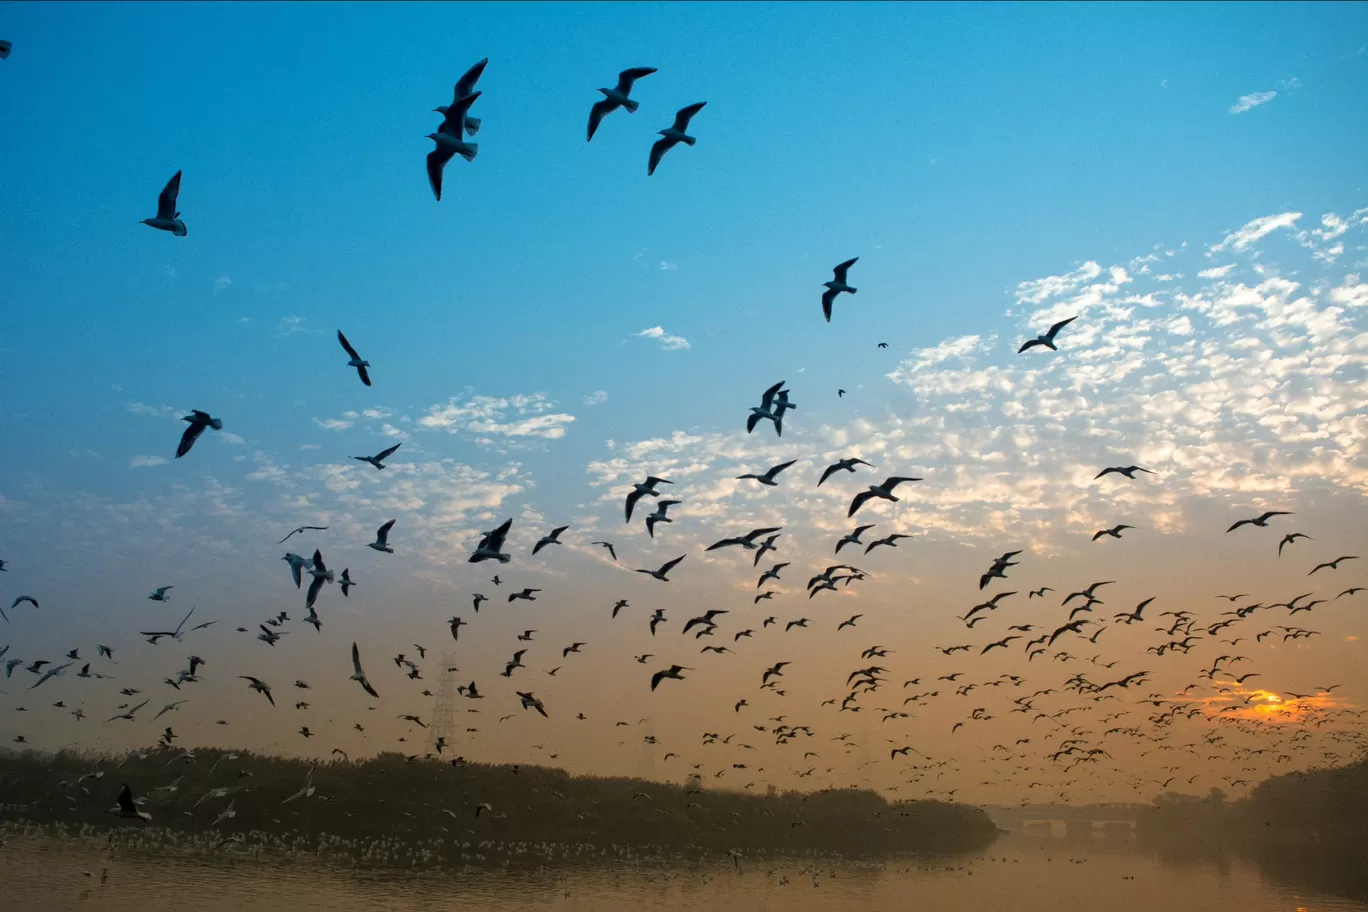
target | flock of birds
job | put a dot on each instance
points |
(1149, 723)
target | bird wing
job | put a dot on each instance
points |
(596, 114)
(1057, 327)
(768, 397)
(658, 150)
(1032, 343)
(166, 202)
(840, 271)
(656, 679)
(466, 84)
(827, 297)
(382, 534)
(669, 565)
(364, 374)
(495, 539)
(858, 501)
(628, 77)
(347, 346)
(775, 470)
(827, 473)
(454, 123)
(192, 433)
(315, 587)
(436, 161)
(684, 115)
(385, 454)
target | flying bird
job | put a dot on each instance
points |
(659, 516)
(664, 569)
(767, 410)
(491, 547)
(167, 218)
(673, 135)
(378, 460)
(1260, 521)
(767, 478)
(311, 528)
(836, 286)
(361, 371)
(672, 672)
(1114, 532)
(125, 806)
(1334, 564)
(1048, 338)
(359, 674)
(450, 140)
(612, 552)
(616, 97)
(641, 489)
(1291, 537)
(198, 422)
(1128, 471)
(552, 538)
(465, 86)
(531, 702)
(843, 465)
(884, 490)
(381, 542)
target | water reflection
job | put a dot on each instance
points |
(44, 867)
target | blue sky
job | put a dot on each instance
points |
(963, 152)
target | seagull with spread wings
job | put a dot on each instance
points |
(355, 361)
(198, 422)
(167, 218)
(378, 460)
(836, 286)
(1048, 338)
(673, 135)
(359, 674)
(616, 97)
(884, 491)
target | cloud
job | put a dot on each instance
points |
(1254, 231)
(222, 283)
(333, 424)
(293, 324)
(520, 416)
(1251, 101)
(667, 341)
(667, 266)
(597, 397)
(143, 462)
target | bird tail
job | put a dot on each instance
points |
(472, 125)
(852, 290)
(469, 150)
(688, 140)
(631, 105)
(217, 424)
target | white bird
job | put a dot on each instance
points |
(491, 547)
(640, 489)
(1048, 338)
(168, 219)
(674, 135)
(355, 361)
(381, 542)
(616, 97)
(553, 538)
(307, 791)
(53, 672)
(160, 594)
(378, 460)
(128, 715)
(227, 814)
(884, 490)
(464, 87)
(127, 807)
(298, 564)
(359, 674)
(531, 702)
(198, 422)
(836, 286)
(450, 142)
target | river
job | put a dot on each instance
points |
(42, 871)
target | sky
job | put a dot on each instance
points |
(1186, 180)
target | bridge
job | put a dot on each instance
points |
(1060, 821)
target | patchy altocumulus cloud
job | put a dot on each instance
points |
(1251, 101)
(667, 341)
(485, 417)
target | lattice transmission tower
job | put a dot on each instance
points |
(443, 722)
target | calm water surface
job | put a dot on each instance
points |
(42, 872)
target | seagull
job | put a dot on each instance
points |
(551, 539)
(801, 622)
(198, 422)
(673, 135)
(672, 672)
(360, 366)
(1291, 537)
(746, 541)
(125, 805)
(305, 792)
(884, 491)
(298, 564)
(769, 475)
(260, 686)
(849, 622)
(836, 286)
(771, 574)
(659, 515)
(378, 460)
(53, 672)
(526, 595)
(531, 702)
(1128, 471)
(573, 647)
(491, 546)
(304, 528)
(168, 219)
(1048, 338)
(381, 542)
(616, 97)
(476, 601)
(843, 465)
(608, 546)
(160, 594)
(154, 635)
(465, 86)
(515, 662)
(321, 574)
(765, 410)
(1334, 564)
(706, 619)
(618, 606)
(346, 582)
(1260, 521)
(1114, 532)
(128, 715)
(450, 142)
(853, 538)
(889, 540)
(17, 602)
(641, 489)
(456, 625)
(664, 569)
